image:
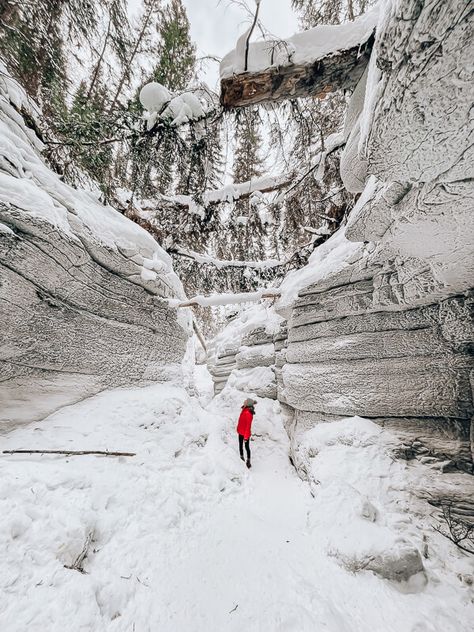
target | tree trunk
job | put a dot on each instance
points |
(279, 83)
(126, 71)
(99, 62)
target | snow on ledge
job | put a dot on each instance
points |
(302, 48)
(334, 255)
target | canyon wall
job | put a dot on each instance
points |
(83, 290)
(389, 335)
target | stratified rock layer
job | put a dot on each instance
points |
(390, 336)
(71, 325)
(83, 290)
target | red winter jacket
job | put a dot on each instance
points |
(245, 423)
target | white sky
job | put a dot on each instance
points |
(216, 26)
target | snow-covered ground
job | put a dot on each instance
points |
(183, 537)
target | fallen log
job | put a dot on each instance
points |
(227, 299)
(338, 71)
(70, 452)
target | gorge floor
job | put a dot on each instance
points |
(183, 537)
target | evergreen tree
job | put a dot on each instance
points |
(314, 12)
(32, 43)
(176, 51)
(86, 128)
(248, 164)
(142, 41)
(175, 68)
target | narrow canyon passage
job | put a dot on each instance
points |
(183, 537)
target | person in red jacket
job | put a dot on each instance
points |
(244, 428)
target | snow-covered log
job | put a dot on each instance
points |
(309, 64)
(226, 299)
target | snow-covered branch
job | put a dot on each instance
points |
(230, 193)
(226, 299)
(176, 110)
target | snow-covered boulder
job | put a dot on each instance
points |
(397, 563)
(83, 290)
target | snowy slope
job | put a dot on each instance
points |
(182, 536)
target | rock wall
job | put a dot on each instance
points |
(82, 289)
(390, 335)
(244, 355)
(249, 368)
(72, 326)
(221, 367)
(407, 369)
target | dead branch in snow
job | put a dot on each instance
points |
(78, 562)
(459, 531)
(321, 157)
(199, 335)
(71, 452)
(339, 71)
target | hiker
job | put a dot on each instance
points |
(244, 428)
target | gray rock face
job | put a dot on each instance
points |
(246, 353)
(83, 290)
(255, 365)
(251, 357)
(407, 370)
(390, 336)
(378, 388)
(423, 118)
(73, 325)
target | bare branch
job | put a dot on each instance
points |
(459, 531)
(246, 62)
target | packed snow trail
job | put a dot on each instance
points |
(183, 536)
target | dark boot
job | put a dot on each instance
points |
(248, 463)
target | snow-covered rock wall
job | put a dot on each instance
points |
(244, 353)
(382, 327)
(83, 290)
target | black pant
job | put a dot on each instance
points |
(241, 447)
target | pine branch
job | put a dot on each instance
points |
(87, 143)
